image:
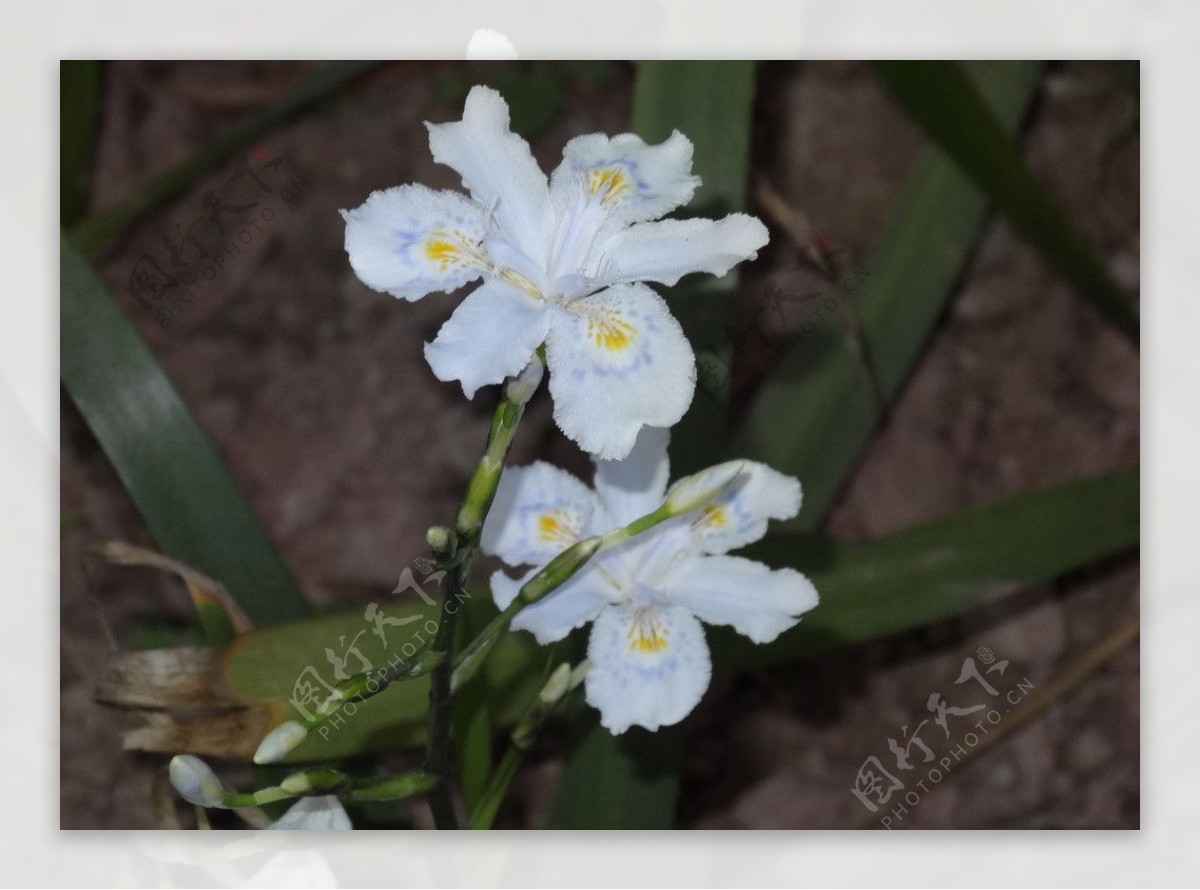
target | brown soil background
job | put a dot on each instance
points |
(316, 392)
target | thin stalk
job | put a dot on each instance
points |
(478, 500)
(489, 804)
(317, 782)
(561, 681)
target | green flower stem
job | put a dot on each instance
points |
(481, 490)
(305, 783)
(493, 796)
(554, 575)
(472, 657)
(561, 681)
(311, 783)
(394, 787)
(271, 794)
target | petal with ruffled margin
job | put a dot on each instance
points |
(650, 666)
(634, 486)
(498, 168)
(410, 240)
(758, 602)
(666, 250)
(575, 603)
(538, 512)
(632, 180)
(618, 361)
(737, 514)
(490, 336)
(322, 813)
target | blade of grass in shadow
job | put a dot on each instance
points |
(940, 97)
(943, 568)
(98, 232)
(633, 781)
(79, 108)
(180, 484)
(816, 413)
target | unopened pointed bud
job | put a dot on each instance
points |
(559, 569)
(557, 686)
(520, 389)
(280, 742)
(195, 781)
(579, 674)
(701, 489)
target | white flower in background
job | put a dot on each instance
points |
(563, 261)
(322, 813)
(647, 596)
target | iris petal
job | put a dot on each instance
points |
(650, 666)
(618, 361)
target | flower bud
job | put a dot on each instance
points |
(700, 489)
(440, 539)
(559, 569)
(520, 389)
(280, 742)
(195, 781)
(557, 686)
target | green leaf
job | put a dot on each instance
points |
(181, 486)
(265, 665)
(622, 782)
(711, 103)
(815, 415)
(536, 91)
(473, 741)
(98, 232)
(633, 782)
(79, 109)
(473, 718)
(942, 100)
(944, 568)
(261, 679)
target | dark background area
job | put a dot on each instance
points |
(316, 392)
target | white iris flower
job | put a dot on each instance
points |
(647, 596)
(322, 813)
(563, 262)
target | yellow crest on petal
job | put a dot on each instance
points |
(557, 526)
(608, 182)
(609, 331)
(646, 634)
(451, 248)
